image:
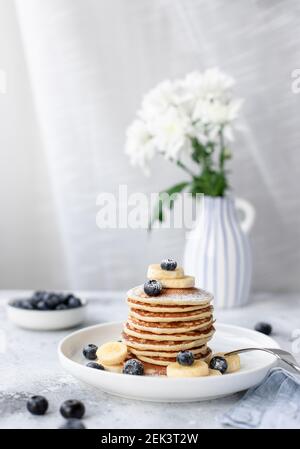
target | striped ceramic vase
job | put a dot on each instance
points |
(218, 253)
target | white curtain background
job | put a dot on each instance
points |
(90, 62)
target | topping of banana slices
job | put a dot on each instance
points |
(112, 353)
(184, 282)
(156, 272)
(233, 362)
(198, 368)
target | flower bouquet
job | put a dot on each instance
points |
(189, 122)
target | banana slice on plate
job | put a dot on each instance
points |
(156, 272)
(112, 353)
(233, 362)
(198, 368)
(113, 368)
(214, 372)
(184, 282)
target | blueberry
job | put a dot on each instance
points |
(168, 264)
(38, 295)
(133, 367)
(68, 296)
(72, 409)
(37, 405)
(152, 288)
(61, 307)
(60, 298)
(89, 352)
(41, 305)
(264, 328)
(23, 304)
(36, 298)
(16, 303)
(74, 302)
(73, 424)
(185, 358)
(218, 363)
(52, 301)
(95, 365)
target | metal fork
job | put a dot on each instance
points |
(280, 354)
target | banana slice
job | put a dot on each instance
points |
(157, 273)
(112, 353)
(198, 368)
(184, 282)
(214, 372)
(113, 368)
(233, 362)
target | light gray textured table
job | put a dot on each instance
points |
(29, 365)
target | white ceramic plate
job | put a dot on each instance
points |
(47, 320)
(254, 366)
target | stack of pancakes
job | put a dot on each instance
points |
(159, 327)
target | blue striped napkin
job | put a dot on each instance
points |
(273, 404)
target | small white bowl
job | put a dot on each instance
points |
(47, 320)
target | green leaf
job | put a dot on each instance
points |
(158, 213)
(210, 183)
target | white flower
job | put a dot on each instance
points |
(199, 105)
(139, 145)
(157, 101)
(211, 84)
(215, 111)
(171, 132)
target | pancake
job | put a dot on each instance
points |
(161, 317)
(169, 328)
(154, 370)
(169, 308)
(165, 361)
(163, 353)
(173, 296)
(204, 334)
(144, 344)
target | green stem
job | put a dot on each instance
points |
(185, 168)
(222, 149)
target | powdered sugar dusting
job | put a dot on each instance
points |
(196, 296)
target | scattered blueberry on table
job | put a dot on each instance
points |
(72, 409)
(152, 288)
(185, 358)
(264, 328)
(37, 405)
(219, 363)
(41, 300)
(133, 367)
(168, 265)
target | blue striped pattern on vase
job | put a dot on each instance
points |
(218, 253)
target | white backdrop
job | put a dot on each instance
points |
(89, 63)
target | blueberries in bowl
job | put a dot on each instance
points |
(41, 300)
